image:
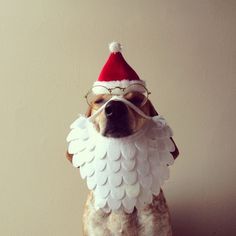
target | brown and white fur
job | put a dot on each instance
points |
(153, 219)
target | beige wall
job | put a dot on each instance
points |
(50, 54)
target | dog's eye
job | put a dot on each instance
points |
(99, 101)
(136, 100)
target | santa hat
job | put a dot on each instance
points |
(117, 73)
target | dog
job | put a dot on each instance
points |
(119, 120)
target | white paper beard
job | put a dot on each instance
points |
(123, 173)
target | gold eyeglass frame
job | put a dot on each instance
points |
(117, 87)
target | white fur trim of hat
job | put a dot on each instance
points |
(104, 87)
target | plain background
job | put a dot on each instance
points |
(50, 54)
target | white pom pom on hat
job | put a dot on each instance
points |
(115, 47)
(116, 72)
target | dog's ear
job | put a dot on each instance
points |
(153, 112)
(87, 114)
(69, 156)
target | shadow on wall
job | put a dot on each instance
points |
(187, 222)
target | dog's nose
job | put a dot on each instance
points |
(115, 110)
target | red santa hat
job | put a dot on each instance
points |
(117, 73)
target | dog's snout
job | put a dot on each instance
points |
(117, 124)
(115, 110)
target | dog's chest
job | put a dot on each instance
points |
(154, 219)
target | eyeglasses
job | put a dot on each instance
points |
(135, 93)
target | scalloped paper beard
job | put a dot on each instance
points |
(123, 173)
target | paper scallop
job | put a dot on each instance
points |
(113, 151)
(130, 177)
(114, 166)
(129, 204)
(118, 192)
(128, 150)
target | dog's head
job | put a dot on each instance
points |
(119, 120)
